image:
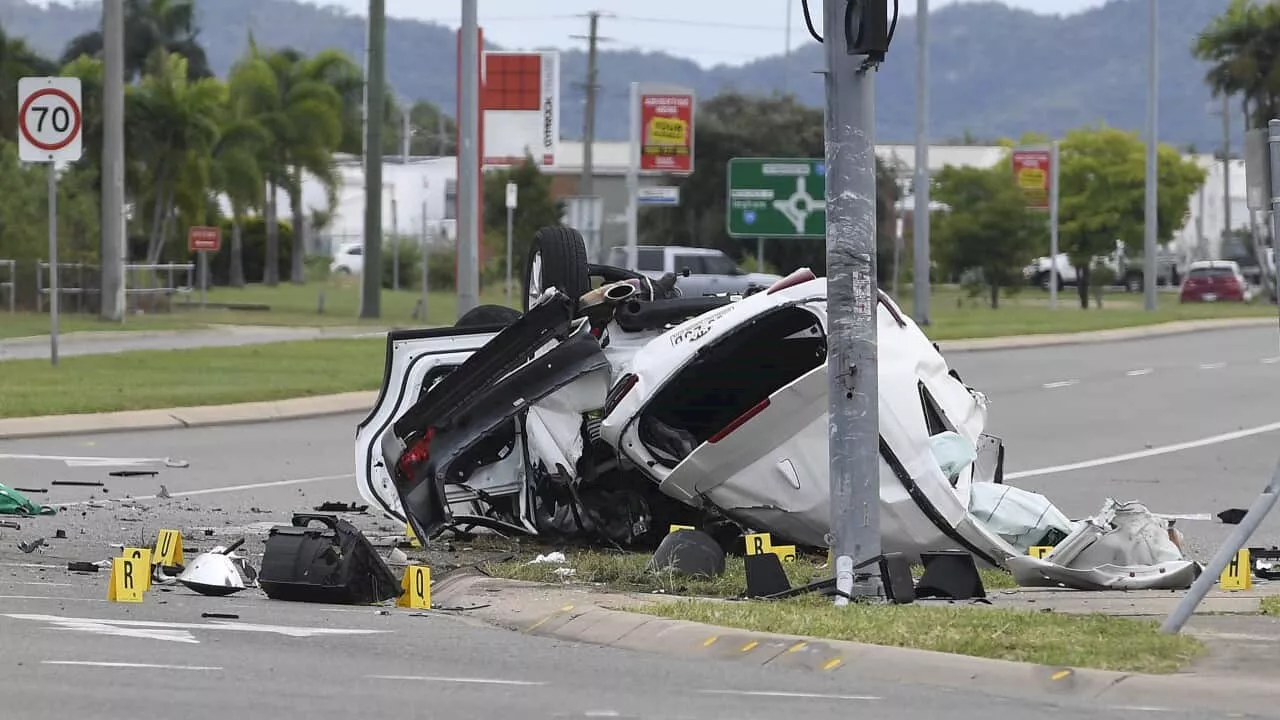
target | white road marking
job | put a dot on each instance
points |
(149, 666)
(1143, 371)
(82, 461)
(602, 713)
(177, 632)
(46, 584)
(1212, 366)
(811, 696)
(227, 489)
(1150, 452)
(1270, 360)
(43, 597)
(1059, 384)
(459, 680)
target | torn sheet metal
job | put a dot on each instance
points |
(219, 572)
(1124, 547)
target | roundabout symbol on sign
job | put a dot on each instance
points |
(50, 119)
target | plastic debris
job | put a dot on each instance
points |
(555, 557)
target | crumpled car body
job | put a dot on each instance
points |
(573, 421)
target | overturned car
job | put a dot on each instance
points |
(617, 410)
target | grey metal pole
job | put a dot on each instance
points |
(633, 176)
(112, 255)
(1149, 279)
(759, 254)
(469, 164)
(204, 277)
(375, 88)
(587, 182)
(1053, 225)
(786, 77)
(426, 255)
(920, 219)
(511, 214)
(406, 134)
(395, 243)
(53, 263)
(852, 306)
(1226, 168)
(1273, 147)
(1186, 607)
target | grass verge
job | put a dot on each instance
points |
(629, 572)
(1271, 605)
(177, 378)
(1093, 641)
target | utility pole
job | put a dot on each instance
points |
(1149, 279)
(375, 89)
(852, 302)
(591, 86)
(1226, 166)
(469, 162)
(786, 77)
(920, 217)
(113, 253)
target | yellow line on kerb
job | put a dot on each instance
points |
(710, 641)
(1060, 675)
(750, 646)
(832, 664)
(797, 647)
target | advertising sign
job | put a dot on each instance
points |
(1032, 170)
(666, 132)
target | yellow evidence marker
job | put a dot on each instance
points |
(413, 537)
(1237, 575)
(674, 528)
(125, 584)
(785, 553)
(758, 543)
(168, 550)
(143, 557)
(1039, 551)
(416, 588)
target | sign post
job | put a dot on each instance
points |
(511, 211)
(1036, 171)
(50, 131)
(661, 136)
(202, 241)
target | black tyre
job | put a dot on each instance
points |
(558, 258)
(488, 315)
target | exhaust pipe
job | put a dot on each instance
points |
(619, 292)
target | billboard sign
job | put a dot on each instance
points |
(520, 108)
(666, 130)
(1032, 171)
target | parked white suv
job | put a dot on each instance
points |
(711, 272)
(348, 260)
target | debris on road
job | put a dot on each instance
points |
(220, 616)
(164, 493)
(82, 567)
(31, 490)
(13, 502)
(79, 483)
(10, 525)
(133, 473)
(334, 563)
(31, 546)
(332, 506)
(1232, 516)
(219, 572)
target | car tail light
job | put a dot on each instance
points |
(417, 454)
(739, 421)
(619, 391)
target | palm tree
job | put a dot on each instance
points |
(236, 170)
(150, 25)
(299, 103)
(1243, 48)
(174, 128)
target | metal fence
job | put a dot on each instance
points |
(9, 285)
(148, 287)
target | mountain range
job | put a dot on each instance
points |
(995, 71)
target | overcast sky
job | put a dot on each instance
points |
(707, 31)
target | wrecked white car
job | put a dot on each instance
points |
(619, 410)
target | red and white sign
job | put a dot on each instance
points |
(519, 108)
(204, 239)
(50, 124)
(1033, 172)
(666, 132)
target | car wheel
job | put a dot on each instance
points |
(558, 258)
(484, 315)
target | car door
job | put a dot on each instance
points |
(415, 360)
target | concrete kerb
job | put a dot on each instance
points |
(576, 615)
(189, 417)
(318, 406)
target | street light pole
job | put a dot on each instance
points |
(375, 89)
(469, 163)
(920, 216)
(1153, 98)
(113, 254)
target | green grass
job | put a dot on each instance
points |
(629, 572)
(955, 316)
(1271, 605)
(1093, 641)
(212, 376)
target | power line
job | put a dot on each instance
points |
(698, 23)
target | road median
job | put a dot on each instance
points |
(579, 614)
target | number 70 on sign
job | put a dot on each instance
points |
(50, 120)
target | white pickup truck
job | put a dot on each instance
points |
(702, 271)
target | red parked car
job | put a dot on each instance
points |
(1213, 281)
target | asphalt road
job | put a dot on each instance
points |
(95, 343)
(1055, 407)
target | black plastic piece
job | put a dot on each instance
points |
(636, 316)
(952, 575)
(689, 552)
(330, 564)
(765, 576)
(895, 573)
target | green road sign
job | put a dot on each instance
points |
(777, 198)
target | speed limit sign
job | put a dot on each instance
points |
(50, 124)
